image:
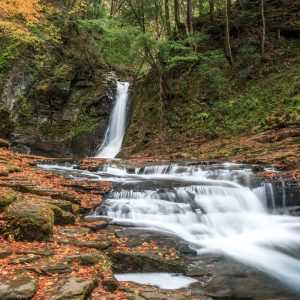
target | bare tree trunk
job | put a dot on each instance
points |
(211, 9)
(177, 14)
(189, 16)
(112, 8)
(263, 29)
(143, 16)
(167, 16)
(227, 33)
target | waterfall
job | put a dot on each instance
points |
(114, 136)
(216, 208)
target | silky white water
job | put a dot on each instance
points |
(162, 280)
(114, 136)
(213, 208)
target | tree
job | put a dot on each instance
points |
(177, 15)
(189, 16)
(15, 16)
(167, 16)
(211, 9)
(227, 33)
(263, 29)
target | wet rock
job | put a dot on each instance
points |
(74, 232)
(75, 288)
(110, 284)
(222, 277)
(62, 217)
(5, 252)
(136, 262)
(158, 295)
(30, 220)
(85, 259)
(94, 224)
(21, 288)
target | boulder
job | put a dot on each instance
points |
(30, 220)
(6, 198)
(146, 262)
(62, 217)
(59, 268)
(63, 204)
(20, 288)
(110, 284)
(74, 288)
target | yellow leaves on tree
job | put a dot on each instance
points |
(16, 16)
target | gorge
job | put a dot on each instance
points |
(149, 150)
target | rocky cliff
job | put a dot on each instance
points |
(64, 114)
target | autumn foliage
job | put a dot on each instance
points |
(18, 15)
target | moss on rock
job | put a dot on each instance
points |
(6, 198)
(62, 217)
(30, 220)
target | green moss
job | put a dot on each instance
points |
(83, 125)
(47, 128)
(62, 217)
(29, 220)
(25, 107)
(7, 199)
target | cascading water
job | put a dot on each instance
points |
(216, 208)
(113, 140)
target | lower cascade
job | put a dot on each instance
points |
(219, 208)
(113, 140)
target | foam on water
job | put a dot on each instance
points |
(162, 280)
(215, 208)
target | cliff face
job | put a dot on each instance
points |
(65, 114)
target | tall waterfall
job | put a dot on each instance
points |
(114, 136)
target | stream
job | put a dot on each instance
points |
(240, 228)
(216, 208)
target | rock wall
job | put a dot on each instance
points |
(64, 114)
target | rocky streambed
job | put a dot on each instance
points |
(67, 229)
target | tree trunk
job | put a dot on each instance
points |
(189, 16)
(227, 33)
(167, 16)
(143, 16)
(211, 9)
(263, 29)
(112, 8)
(177, 14)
